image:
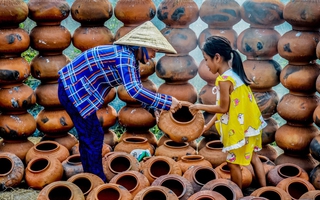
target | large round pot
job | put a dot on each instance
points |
(174, 150)
(129, 144)
(184, 92)
(226, 187)
(13, 13)
(11, 170)
(228, 33)
(13, 70)
(212, 152)
(156, 192)
(271, 192)
(188, 161)
(86, 181)
(109, 191)
(72, 166)
(62, 190)
(13, 42)
(295, 186)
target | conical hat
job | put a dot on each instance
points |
(147, 35)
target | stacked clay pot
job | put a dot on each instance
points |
(16, 124)
(299, 76)
(136, 119)
(259, 44)
(91, 33)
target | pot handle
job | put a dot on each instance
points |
(210, 123)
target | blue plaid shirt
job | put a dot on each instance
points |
(89, 77)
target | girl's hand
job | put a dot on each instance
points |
(193, 109)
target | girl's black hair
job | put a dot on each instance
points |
(222, 46)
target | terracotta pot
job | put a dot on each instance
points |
(50, 40)
(110, 96)
(314, 147)
(227, 188)
(268, 133)
(174, 150)
(107, 116)
(13, 42)
(147, 70)
(183, 92)
(63, 190)
(45, 68)
(117, 162)
(176, 68)
(306, 162)
(271, 192)
(133, 181)
(109, 191)
(314, 176)
(207, 194)
(16, 147)
(129, 144)
(151, 138)
(81, 11)
(181, 126)
(192, 160)
(297, 109)
(312, 195)
(308, 20)
(183, 40)
(144, 10)
(66, 139)
(122, 31)
(50, 149)
(156, 192)
(213, 153)
(72, 166)
(258, 44)
(224, 172)
(298, 47)
(178, 184)
(228, 33)
(203, 142)
(136, 118)
(295, 139)
(267, 102)
(210, 134)
(105, 149)
(47, 96)
(11, 170)
(267, 164)
(86, 37)
(269, 151)
(86, 182)
(110, 138)
(283, 171)
(295, 187)
(42, 171)
(13, 126)
(53, 121)
(263, 73)
(13, 13)
(252, 198)
(270, 13)
(206, 75)
(290, 78)
(220, 14)
(316, 115)
(156, 166)
(13, 70)
(178, 14)
(199, 176)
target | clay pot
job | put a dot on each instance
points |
(147, 70)
(122, 31)
(42, 171)
(263, 73)
(312, 195)
(269, 151)
(297, 109)
(314, 147)
(316, 116)
(174, 150)
(270, 13)
(199, 176)
(295, 139)
(72, 166)
(110, 138)
(267, 164)
(19, 126)
(271, 192)
(258, 44)
(178, 14)
(283, 171)
(107, 116)
(134, 117)
(176, 68)
(50, 40)
(203, 142)
(151, 138)
(290, 78)
(50, 149)
(192, 160)
(105, 149)
(156, 192)
(224, 172)
(133, 181)
(109, 191)
(220, 14)
(13, 70)
(206, 75)
(315, 176)
(144, 10)
(298, 47)
(11, 170)
(66, 139)
(63, 190)
(17, 147)
(183, 92)
(13, 13)
(178, 184)
(13, 42)
(267, 102)
(227, 188)
(86, 37)
(86, 182)
(181, 126)
(213, 153)
(295, 187)
(117, 162)
(268, 132)
(156, 166)
(81, 11)
(306, 162)
(129, 144)
(252, 198)
(228, 33)
(47, 96)
(53, 121)
(207, 194)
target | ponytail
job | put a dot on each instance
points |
(237, 67)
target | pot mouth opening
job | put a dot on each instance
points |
(6, 166)
(182, 116)
(203, 175)
(108, 190)
(174, 184)
(84, 184)
(159, 168)
(120, 164)
(129, 181)
(60, 192)
(154, 193)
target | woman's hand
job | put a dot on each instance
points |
(176, 105)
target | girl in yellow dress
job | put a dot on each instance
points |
(238, 118)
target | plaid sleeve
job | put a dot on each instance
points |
(132, 83)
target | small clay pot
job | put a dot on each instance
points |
(72, 166)
(11, 170)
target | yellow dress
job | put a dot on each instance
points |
(241, 127)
